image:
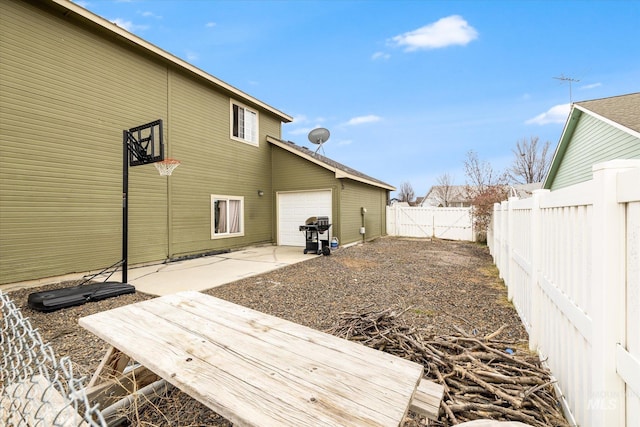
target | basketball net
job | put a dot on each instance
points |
(165, 167)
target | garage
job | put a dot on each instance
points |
(293, 210)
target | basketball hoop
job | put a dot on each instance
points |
(165, 167)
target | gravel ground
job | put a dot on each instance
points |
(445, 284)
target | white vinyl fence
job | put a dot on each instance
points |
(442, 223)
(571, 262)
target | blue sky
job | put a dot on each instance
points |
(406, 88)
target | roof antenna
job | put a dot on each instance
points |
(319, 136)
(564, 79)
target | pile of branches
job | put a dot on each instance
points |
(481, 378)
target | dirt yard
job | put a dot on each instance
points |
(444, 286)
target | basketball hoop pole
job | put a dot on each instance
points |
(141, 145)
(125, 203)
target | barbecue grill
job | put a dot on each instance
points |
(315, 228)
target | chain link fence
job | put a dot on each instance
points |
(37, 389)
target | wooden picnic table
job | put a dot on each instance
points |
(255, 369)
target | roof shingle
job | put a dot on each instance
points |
(623, 109)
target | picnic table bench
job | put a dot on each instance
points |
(255, 369)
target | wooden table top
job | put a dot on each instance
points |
(259, 370)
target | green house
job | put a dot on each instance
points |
(71, 82)
(596, 131)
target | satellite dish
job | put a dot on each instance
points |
(319, 136)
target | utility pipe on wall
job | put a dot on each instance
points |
(363, 230)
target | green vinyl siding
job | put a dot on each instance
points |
(68, 90)
(354, 196)
(213, 163)
(593, 141)
(293, 173)
(66, 95)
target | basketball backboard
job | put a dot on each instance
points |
(145, 143)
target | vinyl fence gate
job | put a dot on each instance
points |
(441, 223)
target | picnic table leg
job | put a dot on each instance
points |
(116, 378)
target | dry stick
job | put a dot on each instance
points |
(485, 381)
(500, 353)
(495, 334)
(521, 371)
(506, 378)
(459, 329)
(449, 412)
(517, 415)
(544, 406)
(516, 403)
(446, 394)
(538, 387)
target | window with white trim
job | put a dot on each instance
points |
(227, 216)
(244, 123)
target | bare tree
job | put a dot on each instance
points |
(444, 189)
(406, 193)
(480, 175)
(484, 187)
(531, 162)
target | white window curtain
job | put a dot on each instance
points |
(234, 216)
(241, 123)
(227, 216)
(250, 125)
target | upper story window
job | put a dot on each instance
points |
(244, 123)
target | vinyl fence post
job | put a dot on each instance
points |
(503, 242)
(389, 221)
(536, 256)
(606, 403)
(509, 258)
(495, 233)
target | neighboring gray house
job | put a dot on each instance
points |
(454, 196)
(524, 191)
(457, 196)
(596, 131)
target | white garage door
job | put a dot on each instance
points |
(293, 211)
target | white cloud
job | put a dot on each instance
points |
(301, 118)
(452, 30)
(210, 24)
(591, 86)
(148, 14)
(128, 25)
(299, 131)
(555, 114)
(192, 56)
(380, 55)
(308, 124)
(345, 142)
(363, 119)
